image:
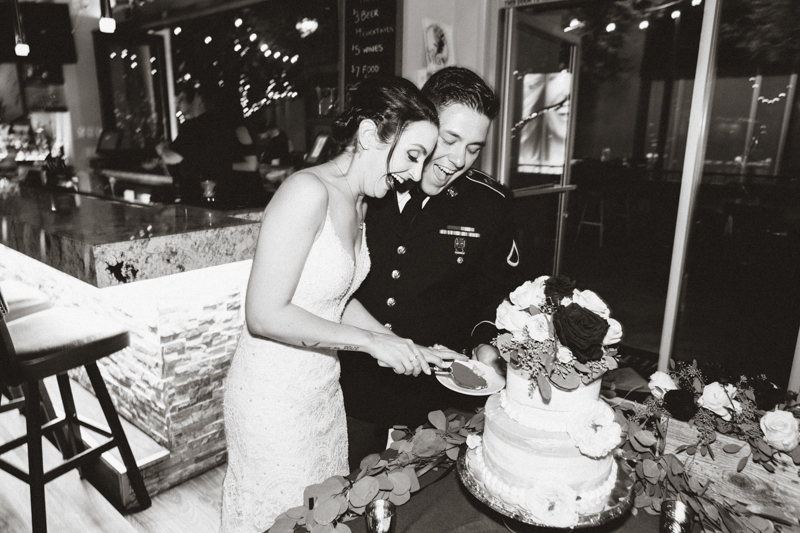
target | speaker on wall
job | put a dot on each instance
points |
(48, 32)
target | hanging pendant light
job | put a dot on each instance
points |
(21, 48)
(107, 22)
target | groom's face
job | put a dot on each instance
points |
(462, 135)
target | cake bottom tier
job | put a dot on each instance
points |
(517, 461)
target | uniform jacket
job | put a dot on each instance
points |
(432, 284)
(450, 271)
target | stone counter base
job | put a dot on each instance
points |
(170, 381)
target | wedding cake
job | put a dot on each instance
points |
(548, 439)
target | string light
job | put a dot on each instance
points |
(107, 23)
(611, 27)
(177, 30)
(306, 27)
(696, 2)
(253, 37)
(676, 14)
(237, 22)
(643, 25)
(21, 48)
(207, 39)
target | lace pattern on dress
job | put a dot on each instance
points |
(284, 413)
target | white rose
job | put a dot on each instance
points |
(473, 441)
(660, 384)
(511, 318)
(780, 430)
(719, 400)
(554, 504)
(592, 302)
(614, 334)
(529, 293)
(564, 354)
(538, 327)
(594, 430)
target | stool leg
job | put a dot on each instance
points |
(74, 443)
(134, 475)
(35, 467)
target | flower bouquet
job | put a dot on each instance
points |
(728, 450)
(557, 334)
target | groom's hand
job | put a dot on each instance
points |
(490, 356)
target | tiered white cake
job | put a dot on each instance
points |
(552, 460)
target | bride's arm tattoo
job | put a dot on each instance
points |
(348, 348)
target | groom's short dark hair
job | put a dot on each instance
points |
(458, 85)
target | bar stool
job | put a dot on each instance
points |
(48, 343)
(617, 202)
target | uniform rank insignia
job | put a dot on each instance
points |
(459, 244)
(452, 193)
(460, 231)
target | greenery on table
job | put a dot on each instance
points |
(391, 475)
(742, 410)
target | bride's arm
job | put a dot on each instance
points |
(293, 219)
(355, 314)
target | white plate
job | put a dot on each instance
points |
(494, 381)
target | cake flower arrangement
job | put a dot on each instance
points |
(558, 334)
(751, 410)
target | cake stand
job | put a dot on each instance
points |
(618, 503)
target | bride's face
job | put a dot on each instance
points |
(415, 144)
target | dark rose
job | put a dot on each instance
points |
(558, 287)
(680, 404)
(581, 331)
(767, 394)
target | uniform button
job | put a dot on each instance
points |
(401, 250)
(460, 260)
(390, 302)
(395, 274)
(387, 326)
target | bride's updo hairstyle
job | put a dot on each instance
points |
(389, 101)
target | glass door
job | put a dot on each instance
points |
(539, 84)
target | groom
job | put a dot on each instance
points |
(444, 257)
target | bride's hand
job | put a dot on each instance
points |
(402, 355)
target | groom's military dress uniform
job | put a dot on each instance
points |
(434, 283)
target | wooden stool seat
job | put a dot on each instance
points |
(23, 299)
(49, 343)
(59, 339)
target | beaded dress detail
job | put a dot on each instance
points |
(284, 413)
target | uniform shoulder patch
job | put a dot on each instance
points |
(486, 180)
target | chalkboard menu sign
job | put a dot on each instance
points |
(371, 31)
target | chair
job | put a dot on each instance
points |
(617, 201)
(50, 343)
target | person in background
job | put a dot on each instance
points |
(213, 144)
(276, 148)
(444, 257)
(284, 415)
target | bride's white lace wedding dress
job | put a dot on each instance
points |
(284, 414)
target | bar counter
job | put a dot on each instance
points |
(175, 276)
(107, 242)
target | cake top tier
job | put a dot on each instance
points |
(557, 335)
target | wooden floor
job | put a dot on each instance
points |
(74, 506)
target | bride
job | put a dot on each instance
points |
(284, 415)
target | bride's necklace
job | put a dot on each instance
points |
(352, 194)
